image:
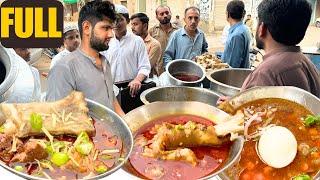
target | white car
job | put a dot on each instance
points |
(318, 22)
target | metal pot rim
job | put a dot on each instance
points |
(237, 156)
(187, 61)
(11, 73)
(144, 93)
(291, 93)
(208, 75)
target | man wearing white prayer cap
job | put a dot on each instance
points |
(71, 41)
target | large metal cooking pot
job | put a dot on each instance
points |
(179, 93)
(227, 81)
(16, 79)
(295, 94)
(114, 123)
(144, 114)
(184, 66)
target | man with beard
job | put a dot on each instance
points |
(236, 51)
(280, 29)
(127, 55)
(71, 41)
(85, 69)
(164, 29)
(139, 26)
(187, 42)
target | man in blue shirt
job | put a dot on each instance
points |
(236, 51)
(187, 42)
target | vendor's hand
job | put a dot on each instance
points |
(135, 86)
(222, 99)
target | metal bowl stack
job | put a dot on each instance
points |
(228, 81)
(184, 66)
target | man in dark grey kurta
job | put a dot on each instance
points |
(85, 69)
(77, 71)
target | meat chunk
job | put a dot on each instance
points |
(5, 142)
(66, 116)
(179, 154)
(6, 152)
(170, 141)
(227, 107)
(30, 152)
(191, 134)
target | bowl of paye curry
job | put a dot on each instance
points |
(290, 108)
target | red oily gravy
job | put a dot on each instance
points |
(104, 138)
(210, 159)
(186, 77)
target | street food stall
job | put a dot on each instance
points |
(178, 130)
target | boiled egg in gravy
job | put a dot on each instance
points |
(277, 147)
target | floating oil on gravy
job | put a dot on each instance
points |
(289, 114)
(210, 159)
(186, 77)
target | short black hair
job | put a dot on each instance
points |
(191, 7)
(96, 11)
(286, 20)
(142, 17)
(156, 11)
(235, 9)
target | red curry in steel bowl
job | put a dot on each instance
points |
(292, 116)
(210, 159)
